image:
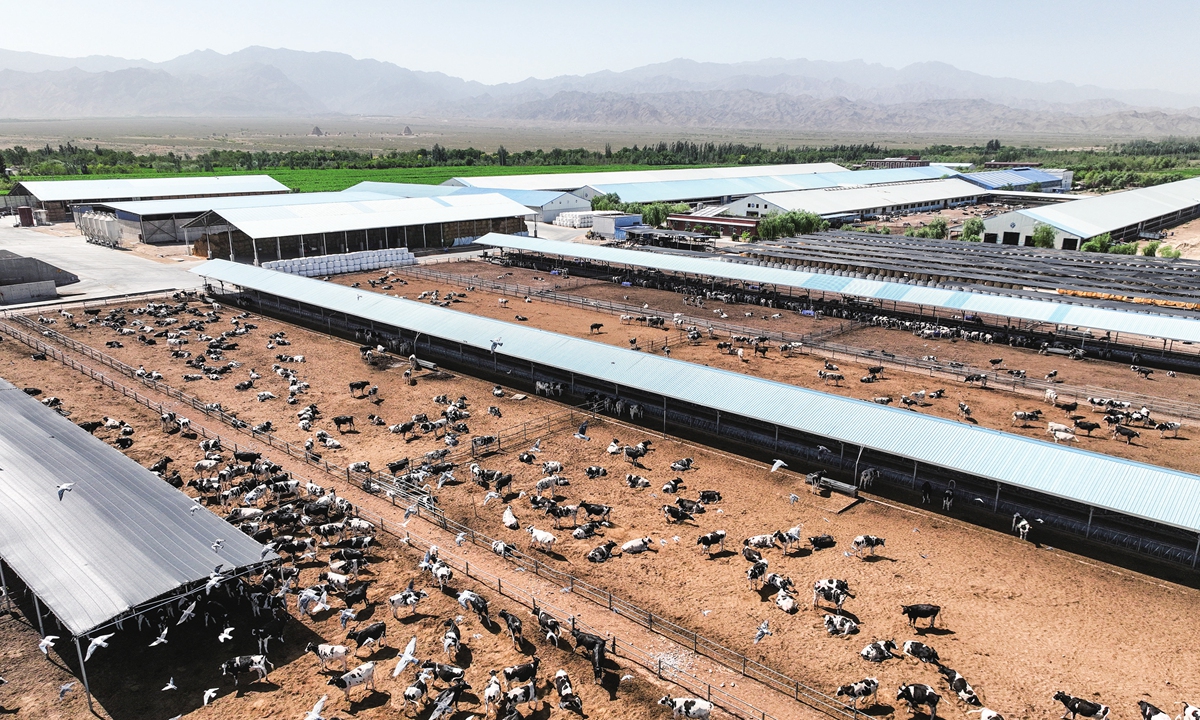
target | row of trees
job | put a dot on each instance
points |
(653, 214)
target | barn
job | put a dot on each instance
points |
(286, 232)
(1101, 498)
(117, 543)
(860, 201)
(1126, 216)
(545, 205)
(57, 197)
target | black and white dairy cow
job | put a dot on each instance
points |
(865, 688)
(865, 542)
(879, 651)
(244, 664)
(687, 707)
(362, 675)
(708, 540)
(921, 651)
(568, 700)
(1078, 706)
(959, 685)
(918, 694)
(832, 591)
(1149, 712)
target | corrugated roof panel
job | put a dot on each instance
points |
(78, 190)
(574, 181)
(191, 206)
(1015, 177)
(1172, 327)
(1096, 215)
(667, 191)
(832, 201)
(119, 538)
(310, 219)
(1152, 493)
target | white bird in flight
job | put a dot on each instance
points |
(537, 446)
(63, 489)
(346, 615)
(581, 434)
(824, 450)
(407, 658)
(216, 546)
(778, 464)
(763, 631)
(459, 538)
(46, 643)
(793, 498)
(497, 343)
(315, 713)
(188, 613)
(170, 685)
(100, 641)
(64, 689)
(209, 694)
(492, 495)
(226, 634)
(161, 639)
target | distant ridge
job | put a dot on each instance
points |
(776, 94)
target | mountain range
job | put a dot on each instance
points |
(777, 94)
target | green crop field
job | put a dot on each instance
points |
(333, 180)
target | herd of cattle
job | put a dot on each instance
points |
(302, 521)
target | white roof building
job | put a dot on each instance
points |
(1124, 215)
(862, 200)
(573, 181)
(78, 191)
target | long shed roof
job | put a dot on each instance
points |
(1097, 215)
(349, 216)
(1117, 321)
(836, 200)
(146, 188)
(1136, 489)
(119, 538)
(193, 206)
(1016, 177)
(740, 186)
(528, 198)
(574, 181)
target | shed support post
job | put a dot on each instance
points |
(996, 502)
(856, 461)
(1196, 554)
(718, 422)
(324, 247)
(664, 415)
(776, 438)
(278, 249)
(254, 244)
(914, 480)
(229, 234)
(1088, 533)
(301, 246)
(4, 589)
(83, 675)
(37, 608)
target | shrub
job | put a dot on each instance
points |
(1123, 249)
(1151, 248)
(1100, 244)
(1043, 236)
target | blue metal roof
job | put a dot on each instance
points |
(1017, 178)
(676, 190)
(1171, 327)
(1130, 488)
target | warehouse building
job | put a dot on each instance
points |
(1126, 216)
(856, 203)
(1023, 179)
(544, 204)
(57, 196)
(165, 221)
(723, 191)
(285, 232)
(570, 182)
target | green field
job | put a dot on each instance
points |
(335, 179)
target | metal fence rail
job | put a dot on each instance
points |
(817, 343)
(423, 505)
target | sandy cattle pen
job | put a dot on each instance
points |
(1014, 615)
(192, 656)
(992, 406)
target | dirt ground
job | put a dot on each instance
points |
(192, 657)
(1186, 239)
(990, 407)
(1014, 613)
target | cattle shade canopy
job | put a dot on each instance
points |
(118, 539)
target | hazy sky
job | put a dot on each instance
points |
(1113, 43)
